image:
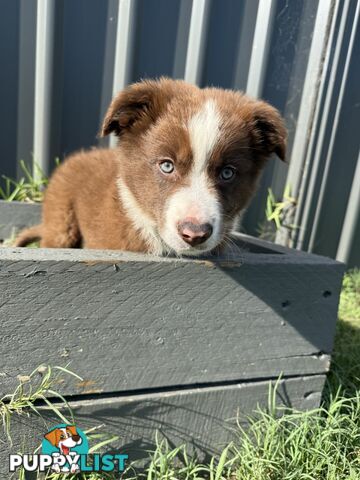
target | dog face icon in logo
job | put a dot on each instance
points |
(65, 443)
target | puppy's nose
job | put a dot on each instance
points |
(76, 438)
(193, 232)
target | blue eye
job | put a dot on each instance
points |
(167, 166)
(227, 173)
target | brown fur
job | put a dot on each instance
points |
(82, 205)
(54, 436)
(29, 235)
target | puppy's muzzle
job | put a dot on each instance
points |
(193, 232)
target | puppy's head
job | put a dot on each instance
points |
(189, 160)
(64, 437)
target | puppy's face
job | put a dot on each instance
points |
(64, 438)
(189, 160)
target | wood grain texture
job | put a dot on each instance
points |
(15, 216)
(130, 322)
(176, 345)
(203, 418)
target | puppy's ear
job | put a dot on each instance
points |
(52, 437)
(268, 130)
(139, 105)
(71, 429)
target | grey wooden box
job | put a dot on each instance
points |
(177, 345)
(16, 215)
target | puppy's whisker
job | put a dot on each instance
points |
(234, 247)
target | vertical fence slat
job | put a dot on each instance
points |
(350, 221)
(316, 141)
(298, 166)
(182, 36)
(45, 29)
(260, 47)
(25, 107)
(124, 44)
(109, 56)
(311, 163)
(196, 42)
(125, 32)
(340, 96)
(245, 43)
(309, 94)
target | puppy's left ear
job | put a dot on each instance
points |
(268, 130)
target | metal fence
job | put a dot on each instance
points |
(63, 60)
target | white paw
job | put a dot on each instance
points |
(74, 469)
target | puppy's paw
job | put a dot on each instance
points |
(74, 469)
(56, 468)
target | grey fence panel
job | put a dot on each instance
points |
(156, 31)
(247, 30)
(44, 82)
(226, 24)
(295, 43)
(182, 38)
(301, 56)
(343, 148)
(115, 63)
(196, 41)
(9, 36)
(333, 147)
(353, 252)
(26, 85)
(83, 45)
(292, 30)
(351, 222)
(301, 168)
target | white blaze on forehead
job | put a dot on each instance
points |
(204, 131)
(198, 200)
(66, 434)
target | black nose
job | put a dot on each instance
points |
(194, 233)
(76, 438)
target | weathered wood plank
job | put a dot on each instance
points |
(151, 322)
(203, 418)
(248, 249)
(17, 215)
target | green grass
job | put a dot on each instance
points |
(36, 386)
(345, 371)
(323, 444)
(278, 215)
(30, 188)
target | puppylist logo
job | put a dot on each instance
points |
(65, 448)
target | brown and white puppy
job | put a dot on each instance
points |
(187, 163)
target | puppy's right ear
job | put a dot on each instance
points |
(138, 106)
